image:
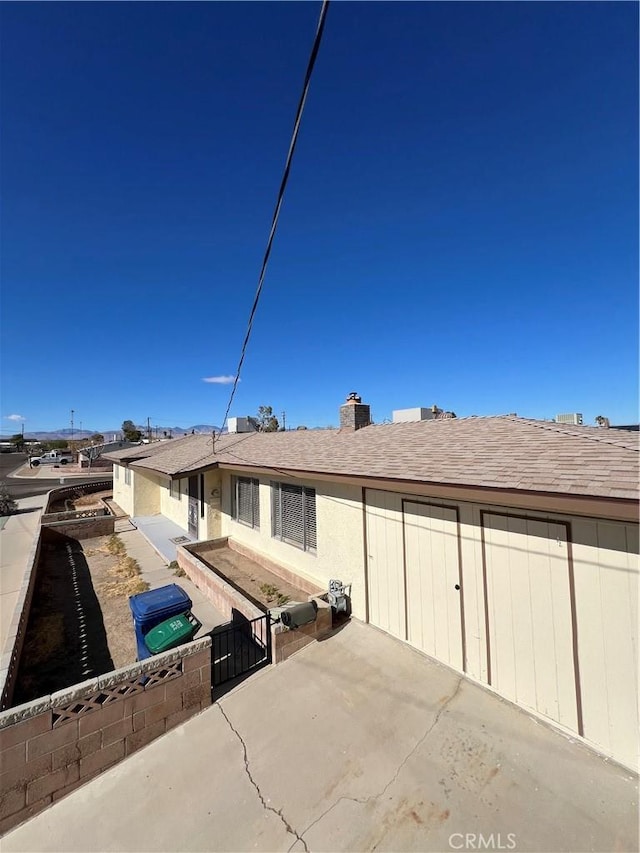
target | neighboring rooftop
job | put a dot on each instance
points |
(503, 452)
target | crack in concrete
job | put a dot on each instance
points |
(364, 801)
(265, 805)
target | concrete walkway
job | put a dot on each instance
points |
(17, 539)
(355, 743)
(159, 531)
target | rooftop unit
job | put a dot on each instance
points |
(239, 425)
(571, 418)
(420, 414)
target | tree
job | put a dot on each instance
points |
(266, 421)
(93, 452)
(130, 431)
(18, 440)
(7, 503)
(97, 438)
(55, 444)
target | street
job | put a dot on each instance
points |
(25, 487)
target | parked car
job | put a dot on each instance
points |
(52, 457)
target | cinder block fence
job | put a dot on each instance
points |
(52, 745)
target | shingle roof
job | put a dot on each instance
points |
(500, 452)
(144, 451)
(181, 454)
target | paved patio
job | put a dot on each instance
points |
(355, 743)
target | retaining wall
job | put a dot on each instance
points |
(83, 528)
(80, 489)
(227, 600)
(18, 628)
(73, 514)
(52, 745)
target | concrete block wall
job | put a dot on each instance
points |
(221, 594)
(285, 642)
(75, 514)
(52, 745)
(56, 495)
(226, 599)
(83, 528)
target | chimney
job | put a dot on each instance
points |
(354, 414)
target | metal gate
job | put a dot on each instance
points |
(239, 647)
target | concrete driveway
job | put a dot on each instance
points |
(355, 743)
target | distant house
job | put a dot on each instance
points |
(505, 548)
(95, 453)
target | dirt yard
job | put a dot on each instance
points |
(79, 630)
(257, 583)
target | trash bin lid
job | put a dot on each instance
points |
(156, 603)
(172, 632)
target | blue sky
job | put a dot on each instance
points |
(460, 226)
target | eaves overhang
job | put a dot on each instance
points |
(591, 506)
(177, 475)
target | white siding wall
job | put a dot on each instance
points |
(606, 577)
(339, 552)
(533, 567)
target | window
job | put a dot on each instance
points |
(116, 472)
(174, 489)
(127, 476)
(245, 501)
(293, 515)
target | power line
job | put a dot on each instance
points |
(276, 213)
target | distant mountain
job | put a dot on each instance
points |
(159, 431)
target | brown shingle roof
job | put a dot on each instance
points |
(147, 451)
(499, 452)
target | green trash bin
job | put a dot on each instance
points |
(172, 632)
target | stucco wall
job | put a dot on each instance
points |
(122, 493)
(339, 551)
(147, 489)
(213, 502)
(172, 508)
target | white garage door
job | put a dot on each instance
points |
(412, 574)
(433, 581)
(529, 615)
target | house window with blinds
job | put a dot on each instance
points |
(293, 515)
(245, 501)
